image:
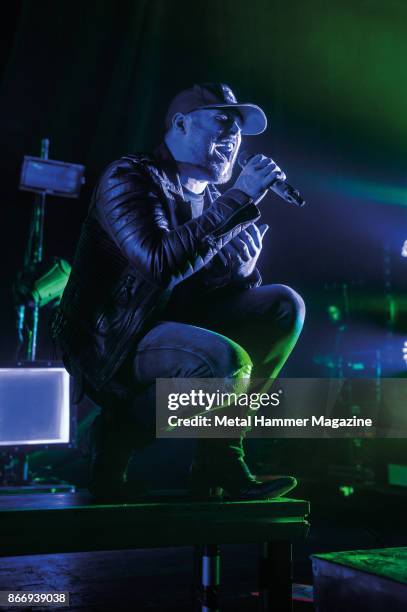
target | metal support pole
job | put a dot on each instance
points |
(39, 213)
(22, 469)
(207, 559)
(33, 256)
(275, 577)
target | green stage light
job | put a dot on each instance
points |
(346, 490)
(334, 313)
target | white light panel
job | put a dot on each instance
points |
(34, 406)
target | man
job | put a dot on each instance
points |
(165, 284)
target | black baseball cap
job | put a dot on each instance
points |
(217, 95)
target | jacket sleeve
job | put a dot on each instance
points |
(218, 274)
(129, 208)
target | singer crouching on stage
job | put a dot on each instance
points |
(165, 284)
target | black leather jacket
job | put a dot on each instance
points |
(132, 252)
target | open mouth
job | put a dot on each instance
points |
(224, 150)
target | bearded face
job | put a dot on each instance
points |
(212, 140)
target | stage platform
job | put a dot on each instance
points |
(71, 522)
(362, 580)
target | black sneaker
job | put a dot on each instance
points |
(233, 481)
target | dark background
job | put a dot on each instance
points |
(97, 77)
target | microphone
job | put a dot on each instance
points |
(281, 188)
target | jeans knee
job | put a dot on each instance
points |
(298, 308)
(230, 360)
(291, 309)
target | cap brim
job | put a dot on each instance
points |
(254, 119)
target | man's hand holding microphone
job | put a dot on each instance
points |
(261, 173)
(258, 174)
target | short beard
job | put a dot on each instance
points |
(210, 170)
(220, 178)
(223, 178)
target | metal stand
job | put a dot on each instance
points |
(207, 572)
(275, 577)
(16, 472)
(28, 312)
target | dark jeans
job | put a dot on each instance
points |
(231, 333)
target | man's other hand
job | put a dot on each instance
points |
(243, 251)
